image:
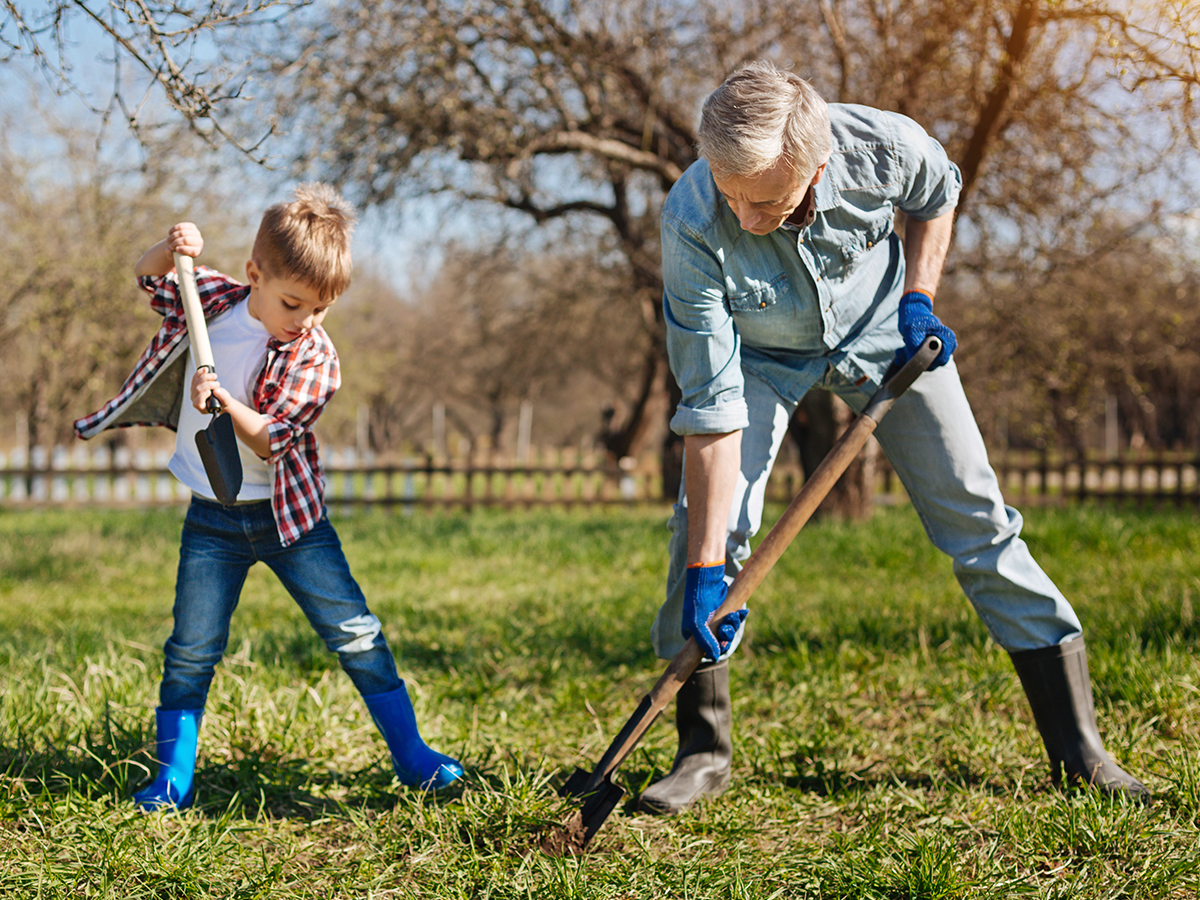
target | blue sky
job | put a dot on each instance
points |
(402, 247)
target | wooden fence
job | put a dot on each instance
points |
(1037, 477)
(93, 476)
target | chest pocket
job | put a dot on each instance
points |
(854, 249)
(762, 298)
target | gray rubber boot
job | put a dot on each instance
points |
(1059, 689)
(702, 765)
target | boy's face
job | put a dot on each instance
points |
(287, 308)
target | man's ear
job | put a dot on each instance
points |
(820, 173)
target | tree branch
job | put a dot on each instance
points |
(991, 117)
(607, 148)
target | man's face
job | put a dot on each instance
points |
(763, 202)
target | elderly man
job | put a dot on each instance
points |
(783, 272)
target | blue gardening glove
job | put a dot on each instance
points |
(916, 322)
(704, 589)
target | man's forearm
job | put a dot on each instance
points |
(711, 472)
(925, 247)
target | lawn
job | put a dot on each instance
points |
(883, 747)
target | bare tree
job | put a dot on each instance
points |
(73, 221)
(162, 55)
(548, 110)
(1125, 330)
(496, 327)
(586, 112)
(1058, 111)
(71, 321)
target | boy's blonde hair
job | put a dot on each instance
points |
(308, 239)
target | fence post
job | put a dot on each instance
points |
(429, 492)
(1082, 475)
(468, 492)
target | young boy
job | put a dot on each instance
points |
(278, 369)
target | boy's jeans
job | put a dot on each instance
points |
(219, 546)
(931, 440)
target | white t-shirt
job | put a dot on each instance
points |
(239, 347)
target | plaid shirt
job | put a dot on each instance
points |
(296, 382)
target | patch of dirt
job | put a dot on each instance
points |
(568, 840)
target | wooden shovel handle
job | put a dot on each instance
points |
(764, 557)
(193, 312)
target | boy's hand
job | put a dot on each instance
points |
(204, 385)
(250, 426)
(159, 260)
(185, 238)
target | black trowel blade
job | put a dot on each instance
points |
(219, 452)
(598, 801)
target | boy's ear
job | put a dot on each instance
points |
(253, 272)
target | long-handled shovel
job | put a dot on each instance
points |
(217, 443)
(600, 795)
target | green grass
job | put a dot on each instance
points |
(883, 747)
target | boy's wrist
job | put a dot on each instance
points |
(155, 262)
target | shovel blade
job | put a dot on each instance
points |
(598, 801)
(219, 452)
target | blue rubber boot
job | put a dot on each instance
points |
(415, 763)
(178, 735)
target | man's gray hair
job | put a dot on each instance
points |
(762, 114)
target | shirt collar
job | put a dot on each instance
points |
(806, 212)
(821, 197)
(825, 195)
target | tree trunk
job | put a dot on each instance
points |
(653, 406)
(993, 115)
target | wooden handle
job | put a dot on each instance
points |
(767, 553)
(193, 312)
(760, 562)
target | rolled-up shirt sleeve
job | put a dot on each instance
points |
(702, 343)
(931, 182)
(291, 405)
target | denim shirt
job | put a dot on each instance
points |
(786, 305)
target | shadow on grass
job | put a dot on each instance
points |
(833, 781)
(250, 787)
(291, 789)
(876, 634)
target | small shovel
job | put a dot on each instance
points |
(600, 795)
(217, 443)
